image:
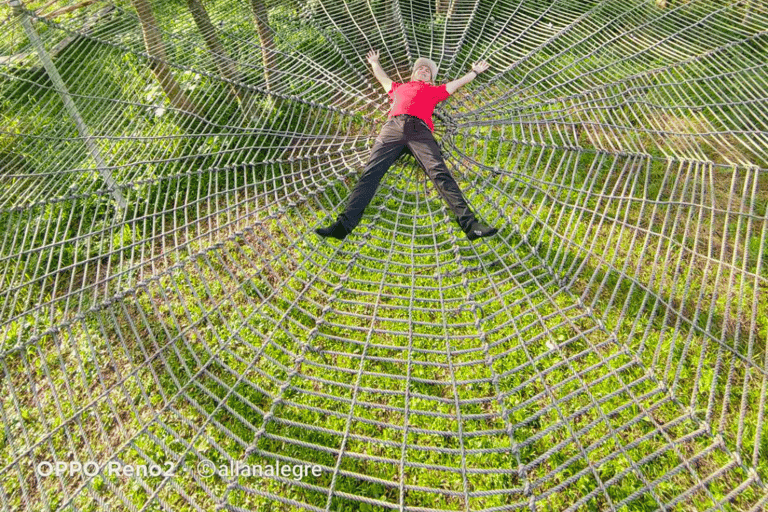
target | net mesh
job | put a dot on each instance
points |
(165, 301)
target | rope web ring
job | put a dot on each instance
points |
(606, 350)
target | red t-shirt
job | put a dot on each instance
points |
(417, 98)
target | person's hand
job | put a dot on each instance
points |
(373, 57)
(480, 66)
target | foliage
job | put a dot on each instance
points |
(205, 318)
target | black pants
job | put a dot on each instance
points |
(398, 133)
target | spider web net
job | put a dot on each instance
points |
(164, 299)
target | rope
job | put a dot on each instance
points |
(165, 301)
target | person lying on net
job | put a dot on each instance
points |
(410, 125)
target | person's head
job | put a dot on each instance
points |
(424, 70)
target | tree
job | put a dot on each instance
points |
(224, 64)
(445, 8)
(153, 41)
(259, 10)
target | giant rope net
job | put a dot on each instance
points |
(164, 300)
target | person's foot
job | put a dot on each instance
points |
(335, 230)
(479, 230)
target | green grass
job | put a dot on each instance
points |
(197, 302)
(198, 353)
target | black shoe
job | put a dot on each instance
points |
(336, 230)
(478, 230)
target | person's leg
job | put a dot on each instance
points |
(389, 144)
(426, 151)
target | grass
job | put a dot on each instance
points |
(574, 340)
(243, 334)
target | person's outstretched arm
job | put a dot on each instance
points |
(378, 72)
(477, 68)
